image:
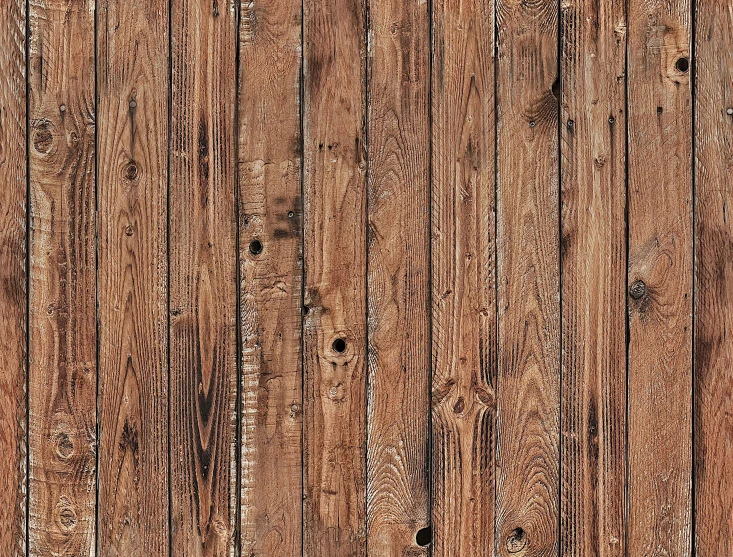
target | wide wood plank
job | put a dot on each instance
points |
(270, 227)
(593, 151)
(659, 279)
(203, 262)
(528, 399)
(335, 192)
(132, 71)
(62, 351)
(13, 319)
(463, 279)
(398, 280)
(713, 402)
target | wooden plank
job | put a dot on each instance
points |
(132, 73)
(528, 399)
(398, 435)
(593, 243)
(334, 115)
(62, 351)
(463, 278)
(13, 318)
(659, 279)
(713, 403)
(271, 278)
(203, 262)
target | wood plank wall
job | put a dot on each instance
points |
(366, 278)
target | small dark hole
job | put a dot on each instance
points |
(255, 247)
(516, 541)
(682, 65)
(532, 124)
(612, 120)
(423, 536)
(638, 289)
(291, 214)
(339, 345)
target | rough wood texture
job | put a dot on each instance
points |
(463, 279)
(335, 193)
(714, 280)
(132, 72)
(528, 399)
(593, 243)
(659, 279)
(62, 351)
(271, 279)
(13, 319)
(398, 436)
(203, 261)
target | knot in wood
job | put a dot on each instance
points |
(516, 541)
(638, 289)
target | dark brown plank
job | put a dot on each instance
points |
(528, 399)
(13, 318)
(659, 279)
(62, 369)
(463, 279)
(132, 71)
(203, 259)
(335, 192)
(713, 279)
(593, 128)
(399, 277)
(271, 278)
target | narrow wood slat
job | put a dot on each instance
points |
(463, 279)
(713, 402)
(203, 260)
(132, 72)
(270, 225)
(13, 318)
(398, 278)
(335, 194)
(659, 279)
(593, 147)
(528, 399)
(62, 350)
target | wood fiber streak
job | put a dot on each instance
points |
(398, 278)
(714, 279)
(528, 398)
(463, 279)
(203, 261)
(335, 193)
(132, 73)
(13, 319)
(660, 280)
(593, 244)
(271, 213)
(62, 353)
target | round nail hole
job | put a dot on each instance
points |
(255, 247)
(682, 65)
(339, 345)
(423, 536)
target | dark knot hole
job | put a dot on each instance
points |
(682, 65)
(423, 536)
(339, 345)
(255, 247)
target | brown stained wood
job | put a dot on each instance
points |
(398, 278)
(335, 192)
(203, 259)
(13, 318)
(713, 280)
(463, 279)
(528, 398)
(593, 138)
(659, 279)
(270, 229)
(62, 350)
(132, 73)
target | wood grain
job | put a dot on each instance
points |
(593, 243)
(13, 265)
(463, 279)
(62, 349)
(398, 435)
(528, 399)
(713, 402)
(132, 74)
(271, 213)
(334, 113)
(203, 262)
(659, 279)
